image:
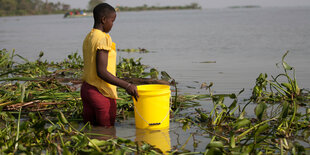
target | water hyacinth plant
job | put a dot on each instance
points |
(44, 97)
(280, 130)
(40, 105)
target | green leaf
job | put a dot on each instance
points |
(216, 144)
(286, 66)
(214, 151)
(233, 105)
(241, 123)
(21, 147)
(97, 142)
(261, 129)
(232, 96)
(297, 89)
(62, 118)
(218, 99)
(123, 140)
(118, 152)
(232, 141)
(259, 110)
(154, 73)
(51, 128)
(83, 141)
(66, 151)
(86, 151)
(186, 125)
(285, 109)
(41, 54)
(249, 148)
(165, 76)
(203, 117)
(285, 54)
(145, 146)
(288, 86)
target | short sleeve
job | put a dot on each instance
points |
(104, 43)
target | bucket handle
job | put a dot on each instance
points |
(151, 124)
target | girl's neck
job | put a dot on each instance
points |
(99, 27)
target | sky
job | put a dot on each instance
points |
(82, 4)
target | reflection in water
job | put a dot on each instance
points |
(102, 133)
(159, 138)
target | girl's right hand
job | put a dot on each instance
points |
(132, 90)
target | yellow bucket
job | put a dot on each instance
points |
(153, 107)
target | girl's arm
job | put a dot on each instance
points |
(102, 72)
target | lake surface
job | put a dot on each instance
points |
(242, 42)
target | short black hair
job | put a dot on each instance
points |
(101, 10)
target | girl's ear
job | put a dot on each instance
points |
(103, 19)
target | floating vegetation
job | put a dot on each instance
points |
(40, 134)
(281, 125)
(208, 62)
(44, 97)
(205, 62)
(40, 103)
(246, 6)
(42, 85)
(129, 50)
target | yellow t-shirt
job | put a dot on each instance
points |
(95, 40)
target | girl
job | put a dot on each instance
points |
(98, 90)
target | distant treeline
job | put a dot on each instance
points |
(30, 7)
(146, 7)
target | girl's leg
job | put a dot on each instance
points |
(101, 109)
(105, 111)
(88, 112)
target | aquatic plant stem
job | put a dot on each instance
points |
(183, 146)
(77, 131)
(115, 142)
(281, 147)
(226, 139)
(82, 129)
(245, 106)
(61, 140)
(176, 97)
(252, 128)
(12, 56)
(97, 148)
(294, 113)
(278, 87)
(17, 132)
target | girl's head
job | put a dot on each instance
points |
(104, 16)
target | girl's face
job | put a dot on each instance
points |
(108, 22)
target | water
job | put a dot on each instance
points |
(243, 42)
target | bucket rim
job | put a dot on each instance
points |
(154, 86)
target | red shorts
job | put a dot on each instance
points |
(97, 109)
